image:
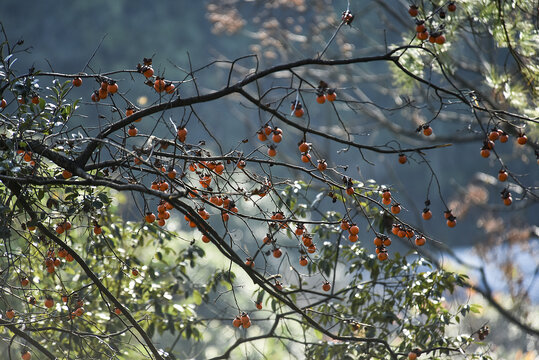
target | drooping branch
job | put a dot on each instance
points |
(30, 339)
(16, 189)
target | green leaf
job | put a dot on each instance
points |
(197, 298)
(476, 308)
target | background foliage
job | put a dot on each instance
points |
(182, 293)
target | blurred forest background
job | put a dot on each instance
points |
(99, 35)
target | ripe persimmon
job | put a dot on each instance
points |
(440, 39)
(112, 87)
(159, 84)
(10, 314)
(502, 175)
(258, 305)
(382, 256)
(97, 230)
(77, 82)
(172, 173)
(102, 93)
(395, 208)
(402, 158)
(67, 225)
(267, 130)
(413, 10)
(219, 168)
(306, 157)
(66, 174)
(420, 241)
(277, 253)
(332, 95)
(485, 152)
(427, 214)
(522, 139)
(26, 355)
(163, 186)
(132, 131)
(3, 103)
(322, 165)
(353, 238)
(311, 249)
(354, 230)
(182, 134)
(236, 322)
(169, 88)
(150, 217)
(35, 99)
(303, 261)
(60, 229)
(147, 71)
(378, 241)
(451, 6)
(244, 318)
(424, 35)
(271, 151)
(427, 130)
(494, 135)
(261, 135)
(249, 262)
(49, 302)
(303, 147)
(225, 216)
(326, 286)
(320, 98)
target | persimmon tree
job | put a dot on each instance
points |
(271, 243)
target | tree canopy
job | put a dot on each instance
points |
(303, 198)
